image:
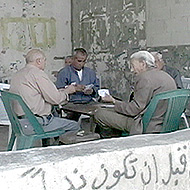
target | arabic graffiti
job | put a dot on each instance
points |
(130, 171)
(146, 170)
(101, 184)
(70, 182)
(183, 162)
(32, 173)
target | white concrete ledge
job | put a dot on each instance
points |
(145, 162)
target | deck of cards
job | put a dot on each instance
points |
(103, 92)
(90, 86)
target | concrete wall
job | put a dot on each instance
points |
(111, 30)
(168, 30)
(167, 22)
(145, 162)
(27, 24)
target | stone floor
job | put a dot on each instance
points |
(4, 132)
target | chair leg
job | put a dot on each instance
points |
(45, 142)
(11, 142)
(185, 119)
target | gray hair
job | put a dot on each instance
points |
(144, 56)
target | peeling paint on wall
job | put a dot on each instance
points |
(22, 33)
(168, 32)
(110, 30)
(177, 57)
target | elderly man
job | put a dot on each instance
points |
(83, 78)
(174, 73)
(126, 116)
(39, 93)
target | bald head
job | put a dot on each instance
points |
(36, 57)
(34, 54)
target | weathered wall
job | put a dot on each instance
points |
(168, 30)
(27, 24)
(167, 22)
(111, 30)
(145, 162)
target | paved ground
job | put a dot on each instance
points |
(4, 132)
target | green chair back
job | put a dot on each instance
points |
(177, 101)
(23, 140)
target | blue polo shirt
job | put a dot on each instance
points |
(69, 75)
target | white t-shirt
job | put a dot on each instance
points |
(80, 74)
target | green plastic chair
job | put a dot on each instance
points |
(24, 141)
(177, 101)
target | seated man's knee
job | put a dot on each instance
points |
(99, 113)
(76, 126)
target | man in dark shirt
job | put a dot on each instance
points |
(82, 77)
(174, 73)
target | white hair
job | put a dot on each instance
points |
(144, 56)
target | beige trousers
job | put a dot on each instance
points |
(108, 118)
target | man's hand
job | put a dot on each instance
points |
(79, 87)
(88, 91)
(70, 89)
(109, 99)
